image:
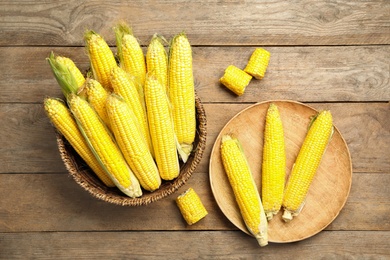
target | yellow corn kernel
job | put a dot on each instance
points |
(96, 96)
(131, 57)
(244, 188)
(157, 60)
(101, 58)
(161, 129)
(104, 146)
(79, 77)
(190, 206)
(235, 79)
(64, 122)
(306, 164)
(274, 163)
(258, 63)
(131, 142)
(124, 85)
(182, 93)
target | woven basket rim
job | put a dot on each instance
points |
(84, 176)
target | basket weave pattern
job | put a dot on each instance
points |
(84, 176)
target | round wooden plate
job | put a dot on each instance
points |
(328, 191)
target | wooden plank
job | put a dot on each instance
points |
(189, 245)
(309, 74)
(214, 22)
(28, 140)
(54, 202)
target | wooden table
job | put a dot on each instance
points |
(329, 54)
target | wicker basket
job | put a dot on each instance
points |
(84, 176)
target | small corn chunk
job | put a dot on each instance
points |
(64, 122)
(80, 80)
(244, 188)
(131, 57)
(103, 146)
(182, 93)
(274, 163)
(235, 79)
(125, 86)
(191, 207)
(306, 164)
(101, 57)
(96, 96)
(258, 63)
(157, 60)
(132, 144)
(161, 129)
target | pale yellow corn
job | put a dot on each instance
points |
(161, 129)
(235, 79)
(306, 164)
(64, 122)
(258, 63)
(101, 58)
(104, 146)
(244, 188)
(96, 96)
(191, 207)
(157, 60)
(131, 56)
(124, 85)
(182, 93)
(74, 70)
(274, 163)
(131, 142)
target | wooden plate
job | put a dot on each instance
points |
(330, 187)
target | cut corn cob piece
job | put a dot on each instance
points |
(131, 57)
(235, 79)
(306, 164)
(64, 122)
(274, 163)
(132, 144)
(161, 129)
(101, 58)
(258, 63)
(96, 96)
(74, 70)
(157, 60)
(191, 207)
(124, 85)
(244, 188)
(104, 147)
(182, 93)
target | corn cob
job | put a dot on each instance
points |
(124, 85)
(157, 60)
(244, 188)
(161, 129)
(79, 77)
(306, 164)
(96, 96)
(101, 57)
(274, 163)
(190, 206)
(131, 57)
(64, 122)
(132, 144)
(235, 79)
(104, 146)
(182, 93)
(258, 63)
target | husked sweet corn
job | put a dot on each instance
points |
(191, 207)
(258, 63)
(97, 96)
(235, 79)
(157, 60)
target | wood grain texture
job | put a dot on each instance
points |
(189, 245)
(54, 202)
(306, 74)
(207, 23)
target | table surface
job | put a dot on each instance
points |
(328, 54)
